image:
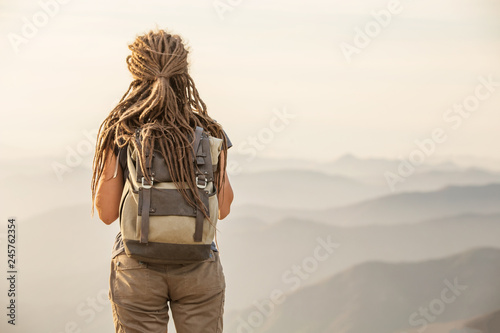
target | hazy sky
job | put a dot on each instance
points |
(254, 59)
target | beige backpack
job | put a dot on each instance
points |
(156, 223)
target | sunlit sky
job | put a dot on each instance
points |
(257, 58)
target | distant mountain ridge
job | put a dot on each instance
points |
(386, 297)
(353, 166)
(293, 239)
(289, 188)
(407, 207)
(302, 185)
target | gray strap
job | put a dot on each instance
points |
(198, 231)
(117, 161)
(197, 140)
(146, 201)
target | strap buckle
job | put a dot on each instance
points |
(145, 185)
(201, 185)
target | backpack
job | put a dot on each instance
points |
(156, 223)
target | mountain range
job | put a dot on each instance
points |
(383, 297)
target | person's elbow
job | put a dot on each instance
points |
(108, 219)
(105, 215)
(225, 208)
(224, 212)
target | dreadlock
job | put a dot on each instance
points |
(162, 102)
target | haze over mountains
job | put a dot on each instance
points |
(344, 181)
(350, 165)
(488, 323)
(278, 220)
(381, 297)
(318, 186)
(293, 240)
(397, 208)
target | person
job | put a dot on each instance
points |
(164, 103)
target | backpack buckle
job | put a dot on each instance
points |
(201, 185)
(145, 185)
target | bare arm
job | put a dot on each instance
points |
(109, 190)
(225, 194)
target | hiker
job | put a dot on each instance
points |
(162, 112)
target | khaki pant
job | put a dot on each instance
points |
(140, 294)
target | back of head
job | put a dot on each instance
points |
(157, 55)
(162, 86)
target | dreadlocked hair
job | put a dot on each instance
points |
(163, 105)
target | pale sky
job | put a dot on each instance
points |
(261, 57)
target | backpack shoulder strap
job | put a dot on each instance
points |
(122, 160)
(197, 135)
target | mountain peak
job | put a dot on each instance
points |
(347, 157)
